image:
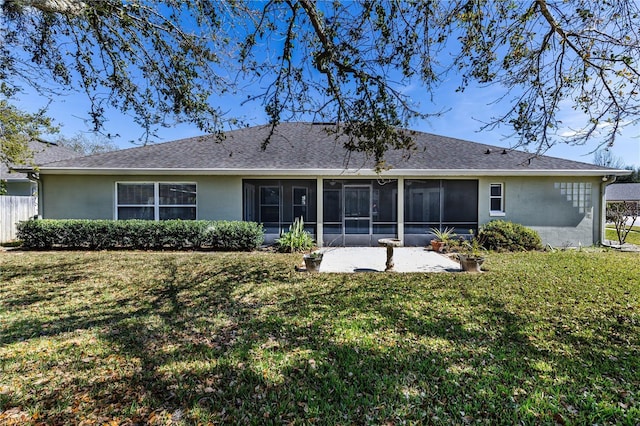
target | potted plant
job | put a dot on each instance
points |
(312, 261)
(471, 257)
(442, 238)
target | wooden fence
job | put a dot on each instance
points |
(13, 209)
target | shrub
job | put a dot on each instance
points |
(140, 234)
(38, 234)
(233, 235)
(508, 236)
(295, 239)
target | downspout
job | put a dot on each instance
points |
(606, 181)
(35, 177)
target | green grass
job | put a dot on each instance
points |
(197, 338)
(632, 238)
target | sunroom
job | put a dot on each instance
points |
(358, 212)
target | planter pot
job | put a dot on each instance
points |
(312, 263)
(470, 263)
(437, 245)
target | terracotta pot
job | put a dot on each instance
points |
(437, 245)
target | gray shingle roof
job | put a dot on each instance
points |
(307, 146)
(623, 192)
(43, 152)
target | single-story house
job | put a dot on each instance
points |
(629, 192)
(18, 199)
(306, 172)
(18, 183)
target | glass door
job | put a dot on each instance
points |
(357, 210)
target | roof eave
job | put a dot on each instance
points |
(327, 172)
(15, 179)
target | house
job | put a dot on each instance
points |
(18, 193)
(629, 192)
(17, 183)
(306, 172)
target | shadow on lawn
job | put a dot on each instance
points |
(46, 284)
(63, 273)
(212, 347)
(282, 357)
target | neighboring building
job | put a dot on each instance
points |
(629, 192)
(304, 172)
(43, 152)
(19, 201)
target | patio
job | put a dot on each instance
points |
(372, 259)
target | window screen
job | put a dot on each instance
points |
(135, 193)
(460, 201)
(440, 203)
(156, 200)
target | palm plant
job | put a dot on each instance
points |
(443, 235)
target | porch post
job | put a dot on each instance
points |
(400, 217)
(319, 210)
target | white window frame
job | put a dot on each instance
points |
(156, 197)
(500, 197)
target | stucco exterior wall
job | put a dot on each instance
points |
(565, 211)
(93, 196)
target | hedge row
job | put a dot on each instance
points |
(140, 234)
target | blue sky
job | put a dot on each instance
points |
(466, 112)
(475, 105)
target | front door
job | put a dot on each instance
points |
(357, 215)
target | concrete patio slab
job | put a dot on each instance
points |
(372, 259)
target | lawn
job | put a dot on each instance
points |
(632, 238)
(195, 338)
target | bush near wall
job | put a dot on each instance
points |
(140, 234)
(508, 236)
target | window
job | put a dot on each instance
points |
(422, 201)
(276, 203)
(269, 204)
(155, 201)
(300, 203)
(496, 199)
(135, 201)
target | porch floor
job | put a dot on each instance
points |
(373, 259)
